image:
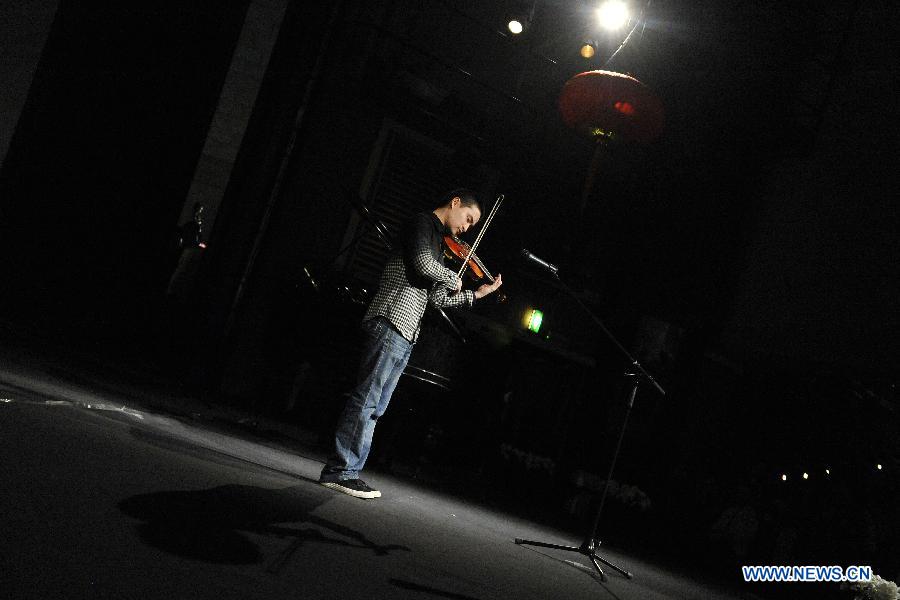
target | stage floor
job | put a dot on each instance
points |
(106, 498)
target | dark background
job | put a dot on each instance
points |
(748, 255)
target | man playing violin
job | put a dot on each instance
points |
(411, 280)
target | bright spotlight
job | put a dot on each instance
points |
(806, 476)
(784, 477)
(613, 14)
(515, 27)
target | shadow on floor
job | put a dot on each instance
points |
(212, 525)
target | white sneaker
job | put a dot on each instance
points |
(352, 487)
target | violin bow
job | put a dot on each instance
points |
(477, 241)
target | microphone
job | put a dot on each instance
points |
(539, 261)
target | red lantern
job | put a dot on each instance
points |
(606, 105)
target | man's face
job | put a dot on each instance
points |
(461, 217)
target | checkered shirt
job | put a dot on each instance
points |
(415, 277)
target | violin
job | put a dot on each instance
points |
(463, 256)
(456, 251)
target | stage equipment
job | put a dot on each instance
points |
(588, 49)
(521, 20)
(607, 107)
(612, 14)
(539, 261)
(634, 375)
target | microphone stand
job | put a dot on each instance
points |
(634, 375)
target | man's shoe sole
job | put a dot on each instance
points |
(349, 491)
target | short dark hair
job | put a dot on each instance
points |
(466, 196)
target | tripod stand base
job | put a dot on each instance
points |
(588, 549)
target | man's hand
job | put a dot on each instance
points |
(489, 288)
(455, 290)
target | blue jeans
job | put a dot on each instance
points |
(385, 354)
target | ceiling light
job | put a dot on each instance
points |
(613, 14)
